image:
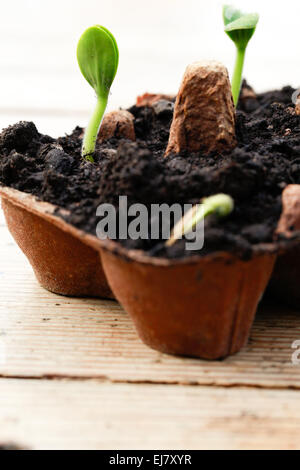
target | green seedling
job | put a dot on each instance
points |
(240, 27)
(98, 59)
(221, 205)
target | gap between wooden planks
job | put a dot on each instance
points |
(51, 414)
(45, 335)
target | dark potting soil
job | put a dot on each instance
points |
(266, 159)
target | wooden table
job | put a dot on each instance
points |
(74, 375)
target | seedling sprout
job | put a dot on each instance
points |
(98, 59)
(240, 27)
(221, 205)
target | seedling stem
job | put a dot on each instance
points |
(237, 74)
(240, 27)
(93, 127)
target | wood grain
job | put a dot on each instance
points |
(53, 414)
(48, 335)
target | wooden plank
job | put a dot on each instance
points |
(48, 335)
(53, 414)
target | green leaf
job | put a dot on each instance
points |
(244, 22)
(98, 58)
(230, 14)
(240, 27)
(114, 41)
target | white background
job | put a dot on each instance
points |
(40, 79)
